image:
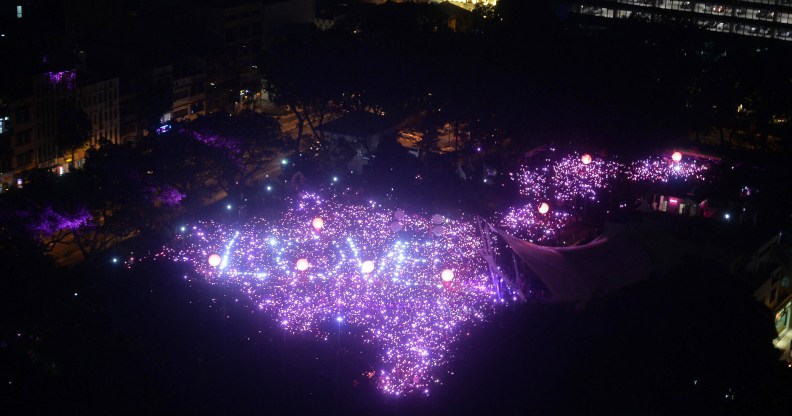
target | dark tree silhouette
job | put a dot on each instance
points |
(74, 129)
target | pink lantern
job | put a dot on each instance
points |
(447, 275)
(215, 260)
(676, 156)
(586, 158)
(544, 208)
(317, 223)
(302, 265)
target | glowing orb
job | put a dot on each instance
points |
(395, 226)
(438, 219)
(368, 266)
(317, 223)
(447, 275)
(399, 214)
(544, 208)
(302, 265)
(586, 158)
(676, 156)
(215, 260)
(438, 230)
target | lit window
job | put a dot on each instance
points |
(19, 12)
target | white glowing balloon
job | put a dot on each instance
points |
(368, 266)
(438, 219)
(438, 230)
(447, 275)
(586, 158)
(399, 214)
(302, 265)
(676, 156)
(215, 260)
(544, 208)
(317, 223)
(395, 226)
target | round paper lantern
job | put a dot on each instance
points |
(368, 266)
(676, 156)
(438, 230)
(215, 260)
(399, 214)
(544, 208)
(438, 219)
(395, 226)
(447, 275)
(302, 265)
(317, 223)
(586, 158)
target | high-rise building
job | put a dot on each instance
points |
(770, 19)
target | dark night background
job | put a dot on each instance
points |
(96, 337)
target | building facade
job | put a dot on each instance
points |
(33, 121)
(771, 19)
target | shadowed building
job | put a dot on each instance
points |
(770, 19)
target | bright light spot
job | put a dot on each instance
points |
(183, 228)
(586, 158)
(317, 223)
(339, 319)
(115, 259)
(544, 208)
(269, 188)
(302, 265)
(285, 162)
(368, 266)
(335, 178)
(228, 207)
(215, 260)
(447, 275)
(727, 216)
(676, 156)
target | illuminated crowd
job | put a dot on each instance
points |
(408, 285)
(553, 188)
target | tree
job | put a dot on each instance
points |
(189, 166)
(74, 128)
(249, 141)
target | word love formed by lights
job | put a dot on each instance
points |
(405, 290)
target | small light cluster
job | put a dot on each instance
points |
(550, 188)
(658, 169)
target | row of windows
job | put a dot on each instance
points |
(751, 29)
(713, 9)
(687, 5)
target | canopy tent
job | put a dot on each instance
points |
(574, 274)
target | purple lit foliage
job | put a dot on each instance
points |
(67, 79)
(48, 222)
(166, 195)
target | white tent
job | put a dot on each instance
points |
(574, 274)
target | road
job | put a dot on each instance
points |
(68, 254)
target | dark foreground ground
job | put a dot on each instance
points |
(101, 339)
